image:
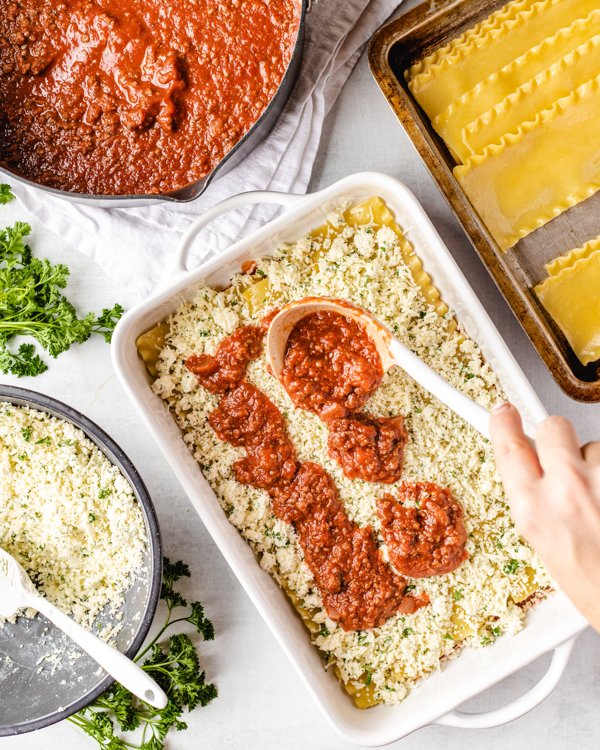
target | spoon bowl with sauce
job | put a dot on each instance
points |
(391, 351)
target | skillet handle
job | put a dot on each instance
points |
(235, 201)
(520, 706)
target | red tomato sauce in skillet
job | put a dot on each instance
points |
(135, 96)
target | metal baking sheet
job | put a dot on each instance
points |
(393, 49)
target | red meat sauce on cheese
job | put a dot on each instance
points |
(359, 589)
(427, 536)
(368, 448)
(135, 96)
(331, 367)
(227, 367)
(247, 418)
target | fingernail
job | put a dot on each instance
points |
(502, 406)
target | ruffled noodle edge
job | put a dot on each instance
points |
(543, 117)
(569, 59)
(510, 139)
(498, 24)
(561, 264)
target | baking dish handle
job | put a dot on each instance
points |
(235, 201)
(522, 705)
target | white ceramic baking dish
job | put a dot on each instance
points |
(552, 626)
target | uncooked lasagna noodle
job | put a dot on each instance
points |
(362, 255)
(493, 21)
(540, 93)
(548, 165)
(571, 295)
(527, 85)
(447, 74)
(555, 266)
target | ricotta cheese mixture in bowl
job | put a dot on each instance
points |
(75, 514)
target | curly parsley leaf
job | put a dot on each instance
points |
(120, 702)
(107, 320)
(6, 193)
(99, 726)
(174, 665)
(12, 248)
(32, 303)
(22, 362)
(177, 670)
(173, 572)
(201, 622)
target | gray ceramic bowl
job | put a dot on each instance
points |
(35, 691)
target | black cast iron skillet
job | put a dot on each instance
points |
(36, 691)
(237, 154)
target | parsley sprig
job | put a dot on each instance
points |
(32, 304)
(174, 665)
(6, 193)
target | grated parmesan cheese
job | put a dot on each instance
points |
(68, 515)
(474, 604)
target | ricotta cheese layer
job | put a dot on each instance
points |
(67, 514)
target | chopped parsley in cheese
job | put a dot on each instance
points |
(67, 514)
(370, 266)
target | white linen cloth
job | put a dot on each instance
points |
(136, 245)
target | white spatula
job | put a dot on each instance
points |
(391, 351)
(18, 592)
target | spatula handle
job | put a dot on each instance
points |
(458, 402)
(119, 666)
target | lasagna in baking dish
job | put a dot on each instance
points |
(335, 519)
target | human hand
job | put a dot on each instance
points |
(553, 488)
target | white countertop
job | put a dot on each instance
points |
(262, 703)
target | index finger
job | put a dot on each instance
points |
(516, 458)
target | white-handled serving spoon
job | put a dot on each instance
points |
(391, 351)
(18, 592)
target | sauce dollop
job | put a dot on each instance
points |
(332, 367)
(228, 366)
(247, 418)
(368, 448)
(359, 589)
(427, 537)
(135, 96)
